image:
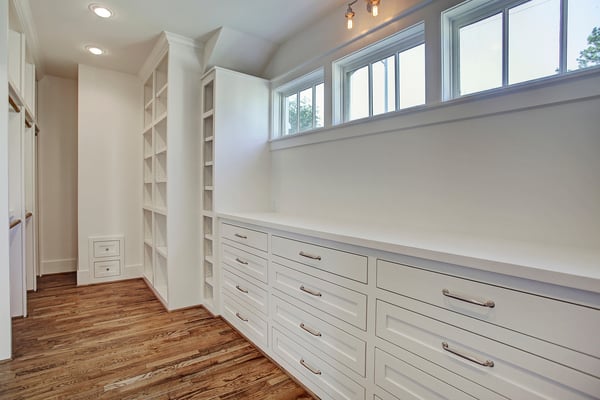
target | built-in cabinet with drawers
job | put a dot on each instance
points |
(171, 77)
(234, 160)
(353, 321)
(22, 142)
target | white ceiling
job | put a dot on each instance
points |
(64, 27)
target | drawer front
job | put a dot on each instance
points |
(325, 338)
(106, 248)
(246, 292)
(409, 383)
(504, 369)
(248, 263)
(249, 237)
(337, 262)
(554, 321)
(249, 323)
(102, 269)
(338, 301)
(308, 365)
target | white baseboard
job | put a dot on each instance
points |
(48, 267)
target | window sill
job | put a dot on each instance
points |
(575, 86)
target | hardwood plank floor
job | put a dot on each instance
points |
(116, 341)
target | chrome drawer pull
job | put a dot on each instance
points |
(240, 236)
(308, 367)
(312, 257)
(309, 291)
(486, 363)
(310, 330)
(486, 303)
(237, 314)
(240, 289)
(241, 261)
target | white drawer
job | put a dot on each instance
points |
(555, 321)
(248, 263)
(246, 292)
(409, 383)
(106, 248)
(248, 322)
(325, 338)
(249, 237)
(311, 367)
(338, 262)
(338, 301)
(508, 371)
(103, 269)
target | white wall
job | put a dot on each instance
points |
(110, 167)
(57, 174)
(528, 175)
(5, 321)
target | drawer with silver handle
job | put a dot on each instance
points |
(338, 301)
(504, 369)
(348, 265)
(246, 262)
(322, 377)
(246, 292)
(336, 343)
(106, 248)
(247, 321)
(248, 237)
(518, 311)
(103, 269)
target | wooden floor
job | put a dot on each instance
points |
(115, 341)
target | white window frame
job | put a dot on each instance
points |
(391, 46)
(310, 80)
(472, 11)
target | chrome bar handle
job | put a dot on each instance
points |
(485, 303)
(486, 363)
(308, 367)
(312, 257)
(310, 291)
(241, 261)
(240, 236)
(241, 289)
(310, 330)
(237, 314)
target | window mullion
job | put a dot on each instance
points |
(370, 89)
(505, 59)
(298, 112)
(397, 72)
(564, 14)
(314, 108)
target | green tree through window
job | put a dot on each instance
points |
(591, 55)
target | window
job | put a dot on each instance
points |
(495, 44)
(301, 104)
(384, 77)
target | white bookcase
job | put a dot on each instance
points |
(234, 160)
(170, 186)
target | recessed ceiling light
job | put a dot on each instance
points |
(97, 51)
(101, 11)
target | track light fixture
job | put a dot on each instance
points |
(372, 8)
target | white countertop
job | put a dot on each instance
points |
(564, 266)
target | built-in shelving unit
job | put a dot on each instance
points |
(208, 142)
(170, 187)
(234, 161)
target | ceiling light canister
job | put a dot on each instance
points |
(349, 15)
(101, 11)
(97, 51)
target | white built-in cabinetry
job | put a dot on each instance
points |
(171, 79)
(22, 130)
(234, 159)
(353, 321)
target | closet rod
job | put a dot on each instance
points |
(14, 223)
(28, 123)
(28, 214)
(14, 104)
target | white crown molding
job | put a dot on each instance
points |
(23, 9)
(160, 49)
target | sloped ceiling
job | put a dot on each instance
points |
(242, 32)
